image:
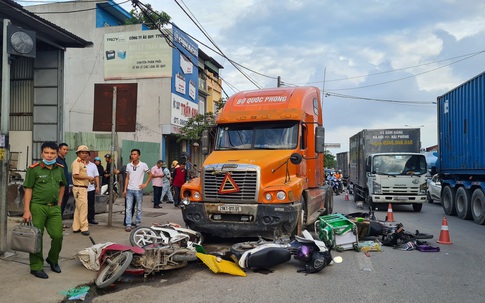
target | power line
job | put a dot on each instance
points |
(213, 43)
(328, 94)
(412, 76)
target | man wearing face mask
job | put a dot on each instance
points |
(44, 187)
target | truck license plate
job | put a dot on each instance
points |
(229, 208)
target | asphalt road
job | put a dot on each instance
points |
(455, 274)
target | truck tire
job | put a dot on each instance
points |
(417, 207)
(448, 200)
(478, 206)
(463, 204)
(328, 203)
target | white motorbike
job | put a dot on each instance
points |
(164, 234)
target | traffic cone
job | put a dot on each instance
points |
(444, 234)
(390, 215)
(347, 195)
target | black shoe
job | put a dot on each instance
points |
(39, 274)
(54, 267)
(85, 233)
(94, 222)
(157, 206)
(76, 231)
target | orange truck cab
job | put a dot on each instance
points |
(264, 176)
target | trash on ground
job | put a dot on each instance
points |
(77, 293)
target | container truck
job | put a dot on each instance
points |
(386, 167)
(264, 176)
(343, 166)
(461, 156)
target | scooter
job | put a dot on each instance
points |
(117, 259)
(312, 254)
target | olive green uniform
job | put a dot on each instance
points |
(45, 208)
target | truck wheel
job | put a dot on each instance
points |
(462, 204)
(417, 207)
(448, 200)
(478, 206)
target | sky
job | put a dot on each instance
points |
(378, 63)
(403, 53)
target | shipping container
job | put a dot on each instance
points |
(461, 158)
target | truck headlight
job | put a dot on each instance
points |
(422, 188)
(268, 197)
(197, 195)
(281, 195)
(377, 188)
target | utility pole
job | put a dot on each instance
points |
(279, 81)
(4, 144)
(111, 170)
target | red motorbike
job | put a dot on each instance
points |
(117, 259)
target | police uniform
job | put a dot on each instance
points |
(80, 193)
(45, 208)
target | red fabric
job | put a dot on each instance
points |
(180, 177)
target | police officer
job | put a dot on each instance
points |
(80, 181)
(44, 188)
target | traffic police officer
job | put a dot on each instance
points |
(80, 181)
(44, 187)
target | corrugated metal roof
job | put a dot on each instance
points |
(46, 31)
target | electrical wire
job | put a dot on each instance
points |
(328, 94)
(215, 45)
(411, 76)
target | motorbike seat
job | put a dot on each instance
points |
(268, 257)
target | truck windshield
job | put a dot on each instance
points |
(400, 164)
(282, 135)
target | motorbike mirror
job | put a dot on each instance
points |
(338, 259)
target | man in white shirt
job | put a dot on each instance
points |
(134, 185)
(93, 189)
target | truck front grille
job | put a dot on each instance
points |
(245, 178)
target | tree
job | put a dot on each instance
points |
(192, 131)
(137, 17)
(329, 159)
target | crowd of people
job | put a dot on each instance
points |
(47, 190)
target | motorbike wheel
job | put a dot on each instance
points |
(319, 262)
(113, 268)
(143, 236)
(239, 249)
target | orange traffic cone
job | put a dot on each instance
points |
(347, 195)
(390, 215)
(444, 234)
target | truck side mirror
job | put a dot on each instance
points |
(296, 158)
(368, 165)
(205, 142)
(319, 139)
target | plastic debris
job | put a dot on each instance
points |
(367, 246)
(77, 293)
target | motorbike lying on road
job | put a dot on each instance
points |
(391, 234)
(117, 259)
(164, 234)
(312, 254)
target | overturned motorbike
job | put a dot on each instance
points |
(117, 259)
(391, 234)
(165, 234)
(312, 254)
